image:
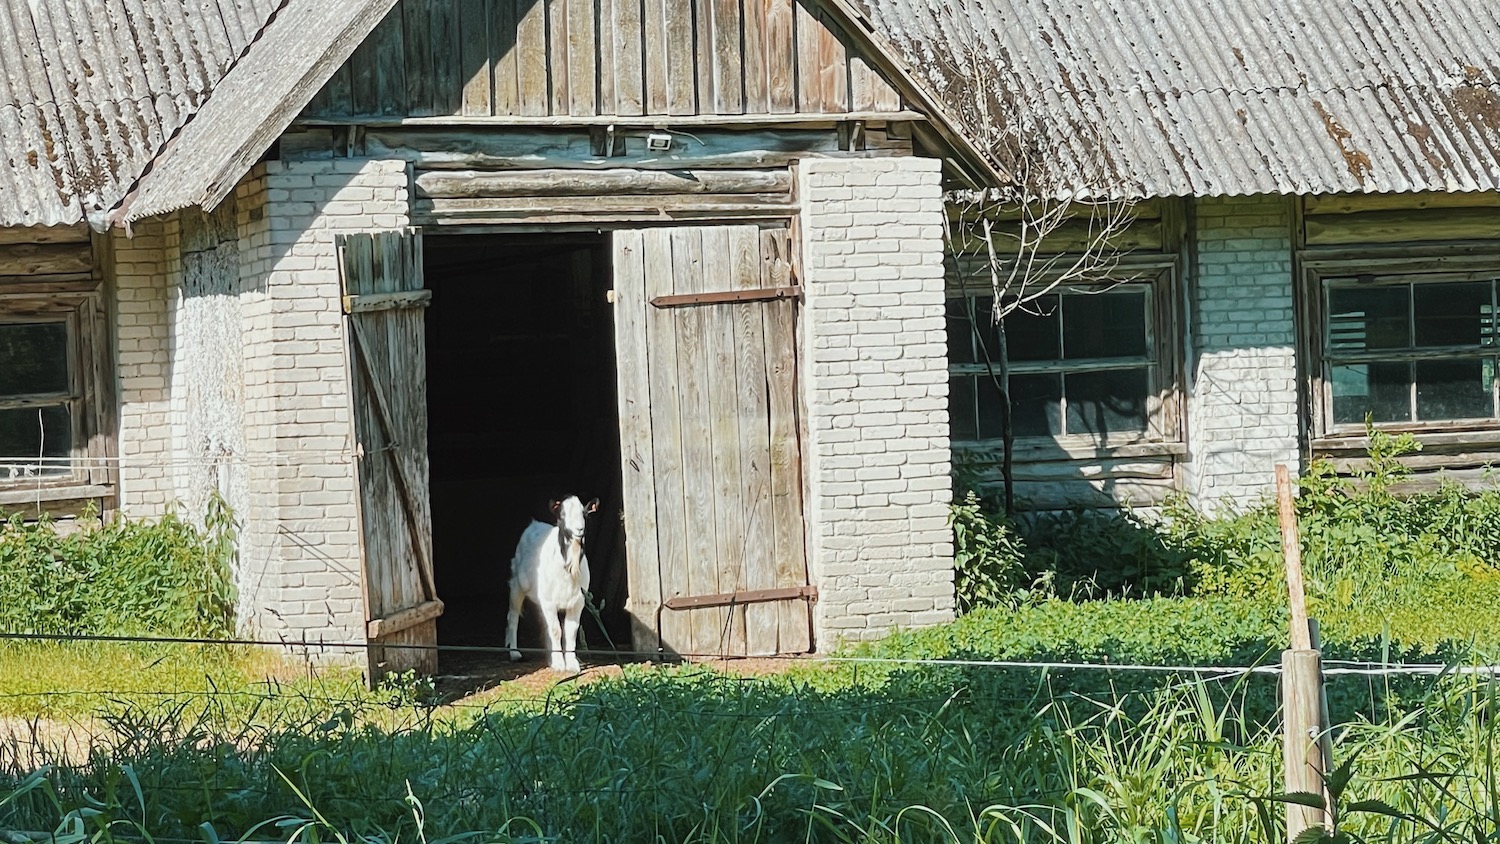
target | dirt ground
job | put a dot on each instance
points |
(471, 677)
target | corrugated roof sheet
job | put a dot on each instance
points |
(91, 90)
(307, 42)
(1219, 97)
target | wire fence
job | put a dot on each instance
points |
(230, 749)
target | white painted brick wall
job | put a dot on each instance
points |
(1242, 402)
(147, 274)
(301, 380)
(875, 370)
(299, 570)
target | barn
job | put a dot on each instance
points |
(388, 274)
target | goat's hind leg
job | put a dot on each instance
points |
(512, 618)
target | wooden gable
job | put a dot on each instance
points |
(597, 58)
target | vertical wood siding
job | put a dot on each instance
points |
(587, 58)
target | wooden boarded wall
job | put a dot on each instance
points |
(1367, 220)
(588, 58)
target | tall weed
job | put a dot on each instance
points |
(120, 577)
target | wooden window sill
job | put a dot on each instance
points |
(19, 493)
(1038, 451)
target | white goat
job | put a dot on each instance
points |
(550, 568)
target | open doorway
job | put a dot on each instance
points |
(521, 405)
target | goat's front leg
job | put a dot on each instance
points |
(511, 619)
(554, 639)
(570, 639)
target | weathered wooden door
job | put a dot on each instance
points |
(705, 324)
(383, 301)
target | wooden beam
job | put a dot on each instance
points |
(404, 620)
(369, 302)
(458, 184)
(649, 120)
(23, 259)
(728, 599)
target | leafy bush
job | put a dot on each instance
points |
(120, 577)
(1100, 553)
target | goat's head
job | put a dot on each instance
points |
(570, 513)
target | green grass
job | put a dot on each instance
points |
(848, 752)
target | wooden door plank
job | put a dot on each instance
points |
(629, 82)
(681, 61)
(504, 48)
(654, 33)
(643, 562)
(666, 440)
(757, 83)
(703, 41)
(532, 56)
(583, 53)
(781, 55)
(724, 432)
(388, 382)
(794, 630)
(761, 620)
(447, 74)
(417, 47)
(728, 58)
(688, 275)
(474, 57)
(557, 55)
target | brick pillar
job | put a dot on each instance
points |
(876, 385)
(297, 397)
(147, 275)
(1242, 405)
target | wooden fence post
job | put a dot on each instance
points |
(1301, 682)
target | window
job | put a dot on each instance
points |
(46, 416)
(1410, 350)
(1086, 366)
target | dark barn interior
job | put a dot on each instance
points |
(521, 406)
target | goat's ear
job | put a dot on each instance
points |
(555, 506)
(592, 506)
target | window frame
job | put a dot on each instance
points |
(1387, 268)
(79, 304)
(1164, 428)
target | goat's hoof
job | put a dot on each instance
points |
(558, 666)
(515, 656)
(572, 665)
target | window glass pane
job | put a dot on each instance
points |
(28, 432)
(33, 358)
(1103, 403)
(960, 332)
(1031, 331)
(1364, 318)
(961, 407)
(1381, 389)
(1454, 389)
(991, 423)
(1036, 405)
(1104, 325)
(1453, 314)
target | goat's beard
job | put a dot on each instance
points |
(574, 556)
